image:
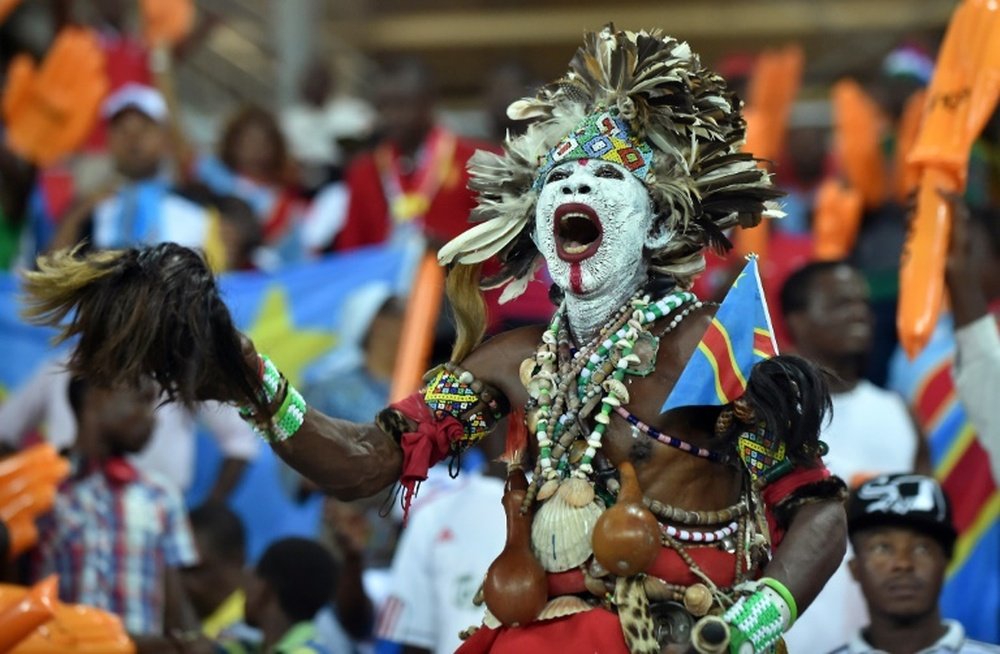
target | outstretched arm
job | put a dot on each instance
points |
(345, 459)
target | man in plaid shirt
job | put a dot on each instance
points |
(117, 536)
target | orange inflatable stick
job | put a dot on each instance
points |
(836, 220)
(961, 97)
(34, 609)
(418, 328)
(772, 90)
(906, 177)
(78, 630)
(858, 131)
(167, 21)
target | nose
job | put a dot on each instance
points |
(571, 187)
(902, 559)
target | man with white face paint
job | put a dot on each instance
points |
(594, 222)
(641, 530)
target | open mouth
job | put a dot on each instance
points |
(578, 232)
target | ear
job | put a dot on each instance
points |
(855, 567)
(660, 233)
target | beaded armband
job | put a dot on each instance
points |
(758, 619)
(451, 391)
(455, 392)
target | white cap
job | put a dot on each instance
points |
(142, 98)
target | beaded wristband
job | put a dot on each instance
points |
(289, 417)
(784, 595)
(757, 621)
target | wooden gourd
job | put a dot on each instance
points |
(627, 536)
(516, 588)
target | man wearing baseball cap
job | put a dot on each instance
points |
(901, 529)
(138, 206)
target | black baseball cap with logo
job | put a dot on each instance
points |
(902, 500)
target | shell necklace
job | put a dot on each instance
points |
(567, 393)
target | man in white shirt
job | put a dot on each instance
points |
(442, 558)
(826, 307)
(42, 402)
(903, 537)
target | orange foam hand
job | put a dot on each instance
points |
(167, 21)
(49, 110)
(6, 7)
(962, 95)
(836, 220)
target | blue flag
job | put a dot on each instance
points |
(739, 336)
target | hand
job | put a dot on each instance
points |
(959, 244)
(167, 22)
(50, 110)
(349, 524)
(968, 301)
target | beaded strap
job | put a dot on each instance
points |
(666, 439)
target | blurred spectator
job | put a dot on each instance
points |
(871, 431)
(901, 529)
(415, 180)
(324, 128)
(215, 584)
(138, 206)
(353, 384)
(973, 278)
(954, 397)
(293, 580)
(239, 233)
(253, 164)
(876, 254)
(349, 619)
(117, 536)
(42, 400)
(448, 544)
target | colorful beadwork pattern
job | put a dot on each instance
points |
(447, 395)
(762, 454)
(603, 135)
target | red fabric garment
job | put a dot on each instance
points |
(368, 221)
(597, 630)
(778, 490)
(429, 444)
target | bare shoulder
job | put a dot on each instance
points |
(498, 360)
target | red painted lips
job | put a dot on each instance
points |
(578, 232)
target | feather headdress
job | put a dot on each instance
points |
(649, 96)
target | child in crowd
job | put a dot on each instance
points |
(293, 580)
(215, 584)
(117, 536)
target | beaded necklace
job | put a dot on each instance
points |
(598, 369)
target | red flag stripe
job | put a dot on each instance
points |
(716, 339)
(933, 394)
(969, 485)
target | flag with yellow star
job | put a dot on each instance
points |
(295, 315)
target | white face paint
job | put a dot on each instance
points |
(592, 220)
